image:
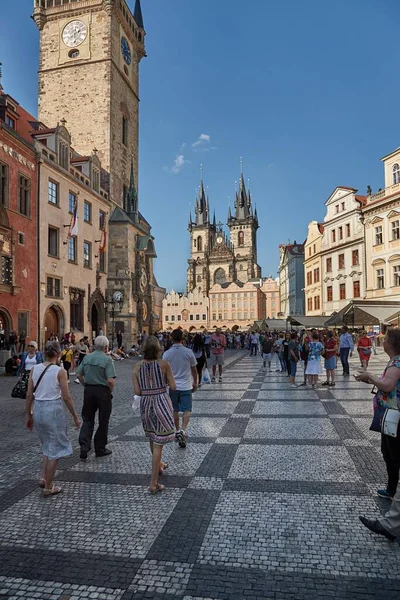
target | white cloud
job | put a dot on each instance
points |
(202, 144)
(178, 165)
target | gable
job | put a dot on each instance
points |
(339, 193)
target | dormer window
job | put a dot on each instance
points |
(63, 155)
(396, 173)
(96, 180)
(10, 122)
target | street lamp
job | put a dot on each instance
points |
(113, 304)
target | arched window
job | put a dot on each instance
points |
(199, 244)
(219, 276)
(241, 268)
(240, 238)
(396, 173)
(198, 278)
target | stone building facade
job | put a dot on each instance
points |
(270, 289)
(18, 221)
(188, 312)
(291, 279)
(73, 262)
(236, 305)
(313, 269)
(216, 258)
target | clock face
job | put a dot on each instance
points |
(117, 296)
(126, 51)
(143, 280)
(74, 33)
(219, 239)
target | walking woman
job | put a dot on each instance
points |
(314, 360)
(150, 380)
(48, 387)
(364, 348)
(388, 396)
(331, 348)
(200, 353)
(285, 352)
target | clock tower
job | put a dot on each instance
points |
(90, 52)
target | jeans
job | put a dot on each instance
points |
(95, 398)
(344, 357)
(253, 349)
(207, 348)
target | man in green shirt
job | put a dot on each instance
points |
(97, 373)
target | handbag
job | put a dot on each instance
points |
(20, 388)
(390, 422)
(366, 351)
(379, 413)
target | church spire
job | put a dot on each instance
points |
(202, 207)
(137, 15)
(132, 203)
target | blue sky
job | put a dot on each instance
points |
(306, 92)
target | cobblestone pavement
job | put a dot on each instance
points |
(263, 503)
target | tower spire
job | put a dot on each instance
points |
(137, 15)
(132, 204)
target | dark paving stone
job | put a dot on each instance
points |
(182, 535)
(16, 493)
(324, 394)
(251, 395)
(234, 427)
(297, 487)
(230, 583)
(244, 408)
(65, 567)
(193, 439)
(255, 386)
(136, 595)
(334, 408)
(291, 442)
(346, 429)
(218, 461)
(369, 463)
(121, 478)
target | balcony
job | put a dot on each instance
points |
(389, 191)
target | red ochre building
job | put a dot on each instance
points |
(18, 221)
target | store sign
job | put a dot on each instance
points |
(14, 154)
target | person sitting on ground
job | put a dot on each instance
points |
(12, 365)
(121, 352)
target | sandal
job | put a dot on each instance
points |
(156, 490)
(52, 492)
(326, 383)
(42, 482)
(332, 384)
(163, 467)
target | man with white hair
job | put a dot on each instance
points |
(97, 373)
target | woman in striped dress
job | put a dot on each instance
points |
(150, 380)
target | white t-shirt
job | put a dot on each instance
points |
(181, 360)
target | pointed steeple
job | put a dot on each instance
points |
(202, 207)
(137, 14)
(132, 202)
(214, 220)
(229, 214)
(243, 207)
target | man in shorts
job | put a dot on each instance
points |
(267, 345)
(218, 343)
(183, 364)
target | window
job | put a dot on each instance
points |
(309, 251)
(87, 255)
(395, 230)
(241, 238)
(21, 238)
(348, 230)
(309, 277)
(53, 192)
(316, 275)
(76, 309)
(333, 234)
(378, 235)
(380, 279)
(355, 259)
(317, 303)
(172, 317)
(329, 265)
(356, 289)
(199, 244)
(53, 238)
(341, 261)
(102, 262)
(214, 316)
(71, 202)
(337, 208)
(63, 155)
(72, 249)
(96, 180)
(53, 287)
(191, 317)
(396, 173)
(102, 219)
(314, 248)
(3, 184)
(10, 122)
(343, 205)
(342, 291)
(124, 131)
(6, 273)
(197, 317)
(24, 195)
(179, 317)
(340, 230)
(87, 212)
(396, 275)
(204, 317)
(329, 293)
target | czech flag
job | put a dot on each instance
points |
(103, 243)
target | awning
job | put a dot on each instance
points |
(308, 321)
(363, 313)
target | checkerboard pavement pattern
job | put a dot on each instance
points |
(263, 503)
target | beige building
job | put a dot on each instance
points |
(270, 289)
(342, 250)
(236, 305)
(313, 269)
(188, 312)
(291, 279)
(381, 214)
(73, 263)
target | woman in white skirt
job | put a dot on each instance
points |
(47, 389)
(314, 368)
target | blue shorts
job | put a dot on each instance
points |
(181, 401)
(293, 368)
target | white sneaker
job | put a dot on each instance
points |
(76, 380)
(72, 373)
